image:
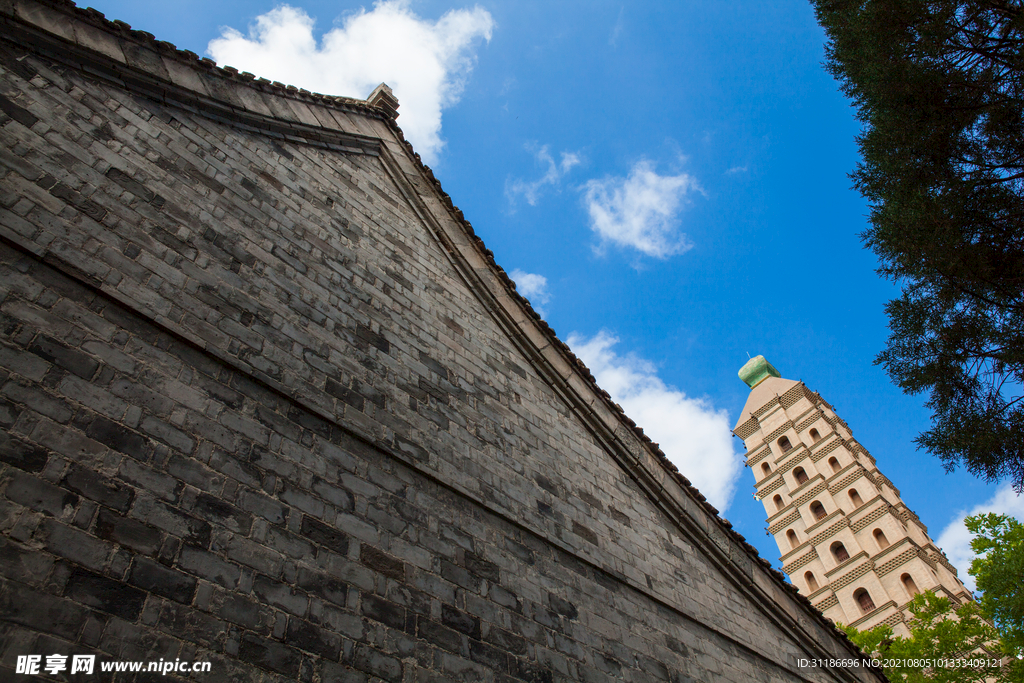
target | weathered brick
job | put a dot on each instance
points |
(156, 578)
(489, 656)
(38, 400)
(239, 610)
(321, 534)
(40, 495)
(376, 663)
(379, 609)
(105, 594)
(264, 506)
(438, 635)
(506, 640)
(118, 437)
(280, 595)
(191, 625)
(208, 566)
(563, 607)
(481, 567)
(22, 455)
(127, 532)
(22, 564)
(170, 435)
(70, 359)
(270, 655)
(335, 495)
(322, 586)
(98, 487)
(73, 544)
(42, 612)
(149, 479)
(173, 521)
(306, 636)
(215, 510)
(381, 562)
(460, 621)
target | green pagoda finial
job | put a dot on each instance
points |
(757, 370)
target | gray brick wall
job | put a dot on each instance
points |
(257, 411)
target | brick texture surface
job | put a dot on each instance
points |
(254, 414)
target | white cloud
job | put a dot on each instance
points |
(534, 287)
(613, 40)
(552, 176)
(425, 63)
(640, 211)
(693, 433)
(955, 540)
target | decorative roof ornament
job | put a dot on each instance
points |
(384, 99)
(757, 370)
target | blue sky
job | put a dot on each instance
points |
(666, 181)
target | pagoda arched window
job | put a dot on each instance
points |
(834, 464)
(812, 583)
(839, 552)
(778, 502)
(880, 539)
(815, 436)
(855, 498)
(863, 599)
(791, 535)
(908, 584)
(766, 469)
(818, 510)
(800, 474)
(784, 445)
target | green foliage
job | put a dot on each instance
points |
(939, 86)
(998, 568)
(938, 632)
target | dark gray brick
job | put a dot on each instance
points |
(72, 360)
(208, 566)
(105, 594)
(42, 612)
(173, 521)
(156, 578)
(128, 532)
(262, 505)
(118, 437)
(379, 609)
(460, 621)
(170, 435)
(380, 561)
(73, 544)
(306, 636)
(270, 655)
(22, 564)
(280, 595)
(98, 487)
(40, 495)
(215, 510)
(321, 534)
(376, 663)
(322, 586)
(22, 455)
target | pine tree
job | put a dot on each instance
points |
(939, 87)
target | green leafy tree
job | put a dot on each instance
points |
(939, 87)
(998, 568)
(937, 632)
